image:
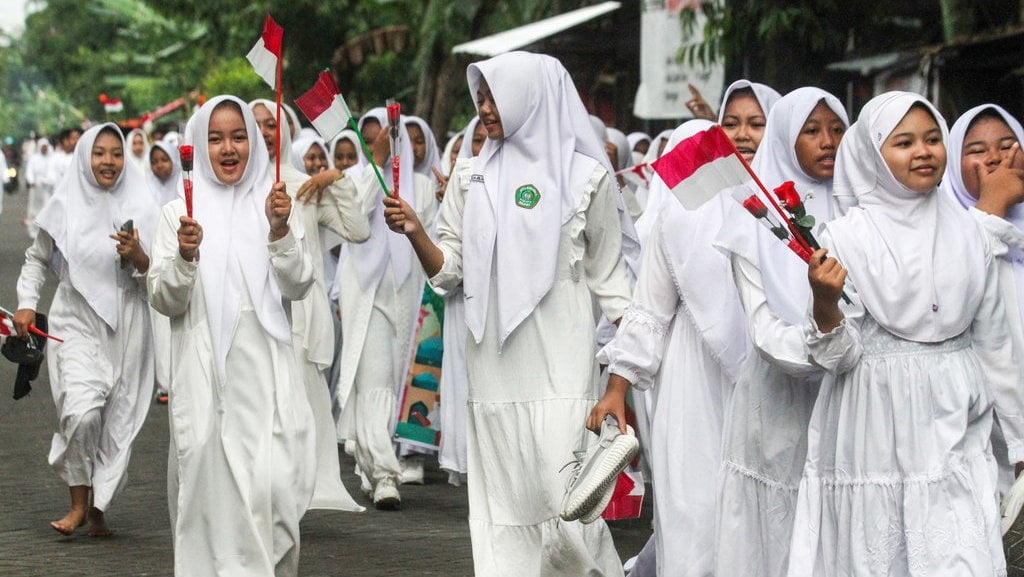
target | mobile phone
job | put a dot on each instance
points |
(128, 225)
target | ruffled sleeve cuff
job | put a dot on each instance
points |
(835, 351)
(636, 351)
(1001, 233)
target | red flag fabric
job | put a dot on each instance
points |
(266, 53)
(700, 167)
(324, 106)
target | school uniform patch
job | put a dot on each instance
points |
(527, 196)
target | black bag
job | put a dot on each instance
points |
(28, 354)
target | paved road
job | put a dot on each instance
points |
(429, 537)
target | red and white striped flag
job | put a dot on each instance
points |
(266, 54)
(325, 107)
(700, 167)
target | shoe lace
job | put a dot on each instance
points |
(577, 465)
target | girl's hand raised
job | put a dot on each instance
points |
(190, 236)
(827, 277)
(278, 208)
(401, 218)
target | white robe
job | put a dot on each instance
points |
(313, 327)
(688, 359)
(242, 460)
(900, 476)
(377, 329)
(94, 369)
(765, 438)
(528, 400)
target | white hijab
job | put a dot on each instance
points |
(81, 215)
(165, 191)
(466, 148)
(623, 151)
(917, 260)
(371, 258)
(235, 231)
(657, 191)
(766, 96)
(299, 149)
(548, 144)
(783, 273)
(634, 138)
(703, 275)
(432, 158)
(350, 135)
(953, 182)
(142, 162)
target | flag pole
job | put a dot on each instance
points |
(277, 130)
(369, 155)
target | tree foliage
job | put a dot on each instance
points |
(150, 52)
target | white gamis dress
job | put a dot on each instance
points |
(528, 400)
(685, 343)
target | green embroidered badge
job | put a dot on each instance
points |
(527, 196)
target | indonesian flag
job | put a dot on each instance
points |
(700, 167)
(113, 105)
(324, 106)
(6, 327)
(266, 54)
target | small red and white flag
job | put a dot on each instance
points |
(113, 105)
(700, 167)
(266, 54)
(324, 106)
(6, 327)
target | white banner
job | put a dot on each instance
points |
(663, 90)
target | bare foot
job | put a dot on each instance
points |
(98, 524)
(73, 520)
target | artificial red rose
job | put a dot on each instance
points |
(788, 196)
(186, 151)
(755, 206)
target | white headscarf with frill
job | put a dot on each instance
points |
(548, 143)
(916, 259)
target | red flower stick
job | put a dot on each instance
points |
(755, 206)
(186, 152)
(394, 117)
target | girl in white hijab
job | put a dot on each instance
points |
(243, 451)
(899, 475)
(102, 374)
(744, 112)
(684, 339)
(138, 149)
(39, 177)
(164, 179)
(541, 181)
(764, 439)
(325, 203)
(345, 153)
(309, 155)
(424, 145)
(380, 289)
(164, 174)
(639, 143)
(981, 145)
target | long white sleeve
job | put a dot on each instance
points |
(637, 350)
(777, 341)
(33, 272)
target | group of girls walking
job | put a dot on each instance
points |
(788, 432)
